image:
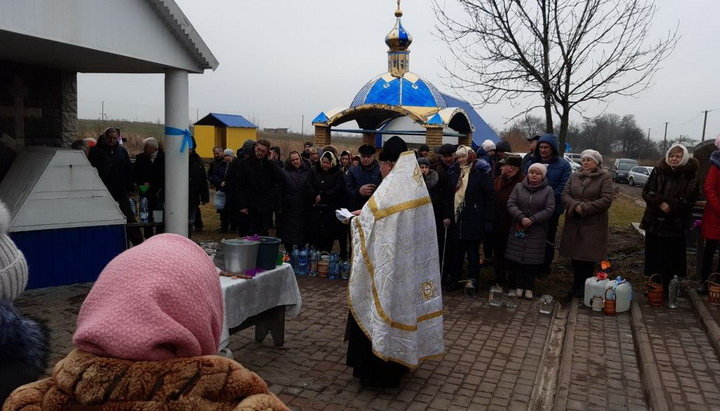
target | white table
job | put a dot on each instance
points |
(264, 301)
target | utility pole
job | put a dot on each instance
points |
(102, 110)
(704, 124)
(649, 135)
(665, 138)
(302, 126)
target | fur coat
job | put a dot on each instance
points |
(86, 381)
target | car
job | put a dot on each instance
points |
(621, 168)
(573, 157)
(639, 175)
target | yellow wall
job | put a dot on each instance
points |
(205, 138)
(208, 137)
(237, 136)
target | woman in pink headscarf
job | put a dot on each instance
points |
(146, 338)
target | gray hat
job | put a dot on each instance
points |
(13, 267)
(445, 149)
(423, 161)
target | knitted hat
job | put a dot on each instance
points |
(423, 161)
(511, 161)
(445, 149)
(158, 300)
(229, 152)
(13, 267)
(504, 146)
(392, 149)
(542, 168)
(593, 155)
(488, 145)
(717, 141)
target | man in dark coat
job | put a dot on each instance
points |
(558, 173)
(362, 180)
(113, 165)
(257, 188)
(532, 144)
(510, 176)
(446, 153)
(198, 191)
(293, 230)
(149, 170)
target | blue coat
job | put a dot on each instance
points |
(558, 169)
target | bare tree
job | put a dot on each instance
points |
(563, 52)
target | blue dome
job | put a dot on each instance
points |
(408, 90)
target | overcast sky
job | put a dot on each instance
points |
(281, 60)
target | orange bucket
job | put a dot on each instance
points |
(713, 290)
(654, 291)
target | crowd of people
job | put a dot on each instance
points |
(491, 208)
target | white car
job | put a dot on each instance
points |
(639, 175)
(574, 160)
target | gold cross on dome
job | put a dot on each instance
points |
(398, 3)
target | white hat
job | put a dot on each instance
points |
(542, 168)
(593, 155)
(488, 145)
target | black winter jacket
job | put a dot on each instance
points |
(678, 188)
(114, 167)
(476, 218)
(255, 184)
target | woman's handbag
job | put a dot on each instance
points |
(219, 200)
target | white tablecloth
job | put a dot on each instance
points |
(245, 298)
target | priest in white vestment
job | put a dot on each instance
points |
(394, 293)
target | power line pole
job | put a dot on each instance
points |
(665, 138)
(302, 125)
(704, 124)
(649, 134)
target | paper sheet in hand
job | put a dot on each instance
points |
(343, 215)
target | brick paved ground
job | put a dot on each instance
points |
(689, 367)
(492, 353)
(605, 371)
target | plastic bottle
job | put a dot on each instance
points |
(294, 256)
(345, 270)
(673, 291)
(303, 264)
(314, 258)
(334, 269)
(133, 207)
(144, 210)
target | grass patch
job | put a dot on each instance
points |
(625, 210)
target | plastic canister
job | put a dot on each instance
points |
(623, 295)
(267, 253)
(240, 255)
(594, 288)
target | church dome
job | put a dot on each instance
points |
(408, 90)
(398, 39)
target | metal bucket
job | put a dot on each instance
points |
(240, 255)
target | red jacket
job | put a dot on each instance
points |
(711, 217)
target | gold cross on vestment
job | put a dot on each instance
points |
(18, 110)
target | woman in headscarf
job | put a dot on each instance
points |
(468, 213)
(587, 198)
(326, 189)
(670, 193)
(531, 204)
(294, 202)
(147, 336)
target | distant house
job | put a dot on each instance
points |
(223, 130)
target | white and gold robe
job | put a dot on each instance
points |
(394, 291)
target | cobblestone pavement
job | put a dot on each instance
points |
(492, 354)
(605, 372)
(689, 367)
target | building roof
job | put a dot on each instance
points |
(55, 188)
(102, 36)
(225, 120)
(409, 90)
(482, 130)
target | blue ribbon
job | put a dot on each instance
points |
(187, 137)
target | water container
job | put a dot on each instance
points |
(314, 259)
(294, 256)
(267, 253)
(144, 210)
(594, 288)
(673, 291)
(133, 207)
(345, 270)
(303, 262)
(623, 295)
(334, 269)
(240, 255)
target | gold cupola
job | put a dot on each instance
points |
(398, 40)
